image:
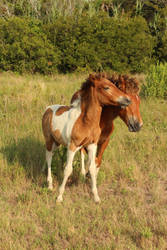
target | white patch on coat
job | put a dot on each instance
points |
(76, 102)
(65, 122)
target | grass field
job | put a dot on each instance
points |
(132, 182)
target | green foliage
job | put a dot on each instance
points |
(156, 81)
(158, 28)
(125, 45)
(101, 42)
(24, 47)
(66, 36)
(163, 49)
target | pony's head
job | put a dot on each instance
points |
(131, 114)
(105, 91)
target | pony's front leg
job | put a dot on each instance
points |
(102, 143)
(67, 173)
(92, 168)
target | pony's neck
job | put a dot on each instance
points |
(112, 111)
(90, 106)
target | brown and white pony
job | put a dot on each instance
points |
(130, 115)
(77, 126)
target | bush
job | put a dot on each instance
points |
(25, 48)
(156, 80)
(75, 43)
(125, 44)
(76, 40)
(162, 51)
(102, 42)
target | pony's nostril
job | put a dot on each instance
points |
(134, 125)
(124, 101)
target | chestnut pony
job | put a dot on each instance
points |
(130, 114)
(78, 126)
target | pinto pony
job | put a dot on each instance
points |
(77, 126)
(130, 114)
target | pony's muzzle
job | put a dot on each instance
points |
(124, 101)
(134, 125)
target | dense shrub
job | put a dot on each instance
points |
(102, 42)
(75, 43)
(94, 35)
(125, 44)
(156, 81)
(162, 50)
(24, 47)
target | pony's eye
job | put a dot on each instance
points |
(106, 88)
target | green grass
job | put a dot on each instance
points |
(156, 81)
(132, 182)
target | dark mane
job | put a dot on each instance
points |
(89, 81)
(127, 84)
(86, 85)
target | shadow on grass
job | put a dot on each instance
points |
(58, 165)
(29, 153)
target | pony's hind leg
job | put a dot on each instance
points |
(83, 171)
(92, 169)
(49, 154)
(67, 173)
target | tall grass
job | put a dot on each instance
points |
(132, 180)
(156, 81)
(47, 10)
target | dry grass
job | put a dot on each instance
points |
(132, 181)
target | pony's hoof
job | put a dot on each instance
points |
(50, 187)
(97, 200)
(59, 199)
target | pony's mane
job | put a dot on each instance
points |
(126, 83)
(89, 81)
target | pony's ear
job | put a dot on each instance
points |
(92, 79)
